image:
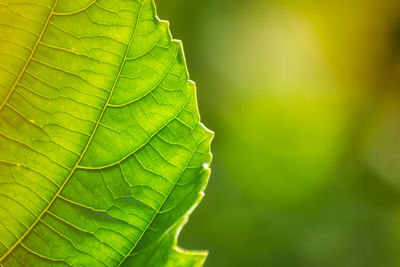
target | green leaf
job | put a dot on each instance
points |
(102, 155)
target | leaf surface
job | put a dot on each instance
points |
(102, 155)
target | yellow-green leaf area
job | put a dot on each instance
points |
(102, 153)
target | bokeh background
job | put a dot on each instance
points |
(305, 102)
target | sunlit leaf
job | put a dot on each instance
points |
(102, 154)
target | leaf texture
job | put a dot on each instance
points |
(102, 154)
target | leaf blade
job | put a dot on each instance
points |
(127, 191)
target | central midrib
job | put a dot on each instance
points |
(87, 143)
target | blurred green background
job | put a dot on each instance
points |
(304, 99)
